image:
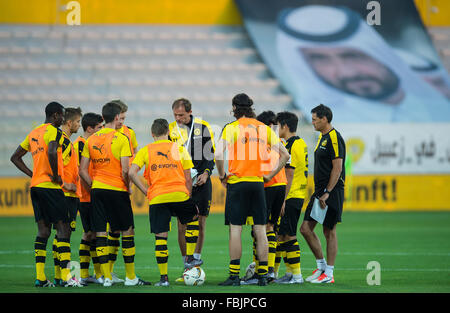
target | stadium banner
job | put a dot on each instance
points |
(397, 149)
(361, 58)
(363, 193)
(88, 12)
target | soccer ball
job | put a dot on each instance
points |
(194, 276)
(250, 271)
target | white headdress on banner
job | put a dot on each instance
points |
(430, 72)
(328, 26)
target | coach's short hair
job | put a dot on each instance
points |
(160, 127)
(267, 117)
(71, 114)
(321, 111)
(52, 108)
(184, 103)
(91, 119)
(110, 111)
(289, 119)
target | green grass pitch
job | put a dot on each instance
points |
(412, 248)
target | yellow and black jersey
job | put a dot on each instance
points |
(298, 160)
(329, 147)
(70, 161)
(198, 139)
(131, 134)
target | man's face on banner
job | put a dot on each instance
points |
(352, 71)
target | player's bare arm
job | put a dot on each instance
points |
(53, 160)
(187, 176)
(125, 161)
(220, 162)
(284, 158)
(133, 175)
(84, 171)
(17, 160)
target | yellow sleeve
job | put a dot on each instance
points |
(133, 139)
(230, 133)
(25, 144)
(76, 148)
(299, 154)
(85, 152)
(141, 158)
(125, 150)
(185, 158)
(53, 134)
(272, 137)
(296, 155)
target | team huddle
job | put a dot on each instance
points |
(265, 187)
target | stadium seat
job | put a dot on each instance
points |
(148, 67)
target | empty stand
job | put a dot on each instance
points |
(148, 67)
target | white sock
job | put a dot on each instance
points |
(329, 270)
(321, 264)
(183, 257)
(197, 256)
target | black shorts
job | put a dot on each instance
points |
(49, 205)
(73, 204)
(85, 209)
(274, 201)
(245, 199)
(113, 207)
(289, 221)
(161, 213)
(202, 197)
(335, 204)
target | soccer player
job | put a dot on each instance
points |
(169, 189)
(49, 204)
(329, 178)
(113, 237)
(247, 140)
(197, 137)
(71, 186)
(109, 151)
(274, 193)
(296, 174)
(91, 123)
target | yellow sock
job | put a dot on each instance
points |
(272, 240)
(262, 268)
(255, 256)
(103, 255)
(235, 267)
(128, 252)
(293, 256)
(278, 256)
(63, 245)
(94, 258)
(113, 247)
(162, 254)
(56, 258)
(191, 235)
(40, 252)
(85, 258)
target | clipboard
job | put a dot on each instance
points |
(317, 213)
